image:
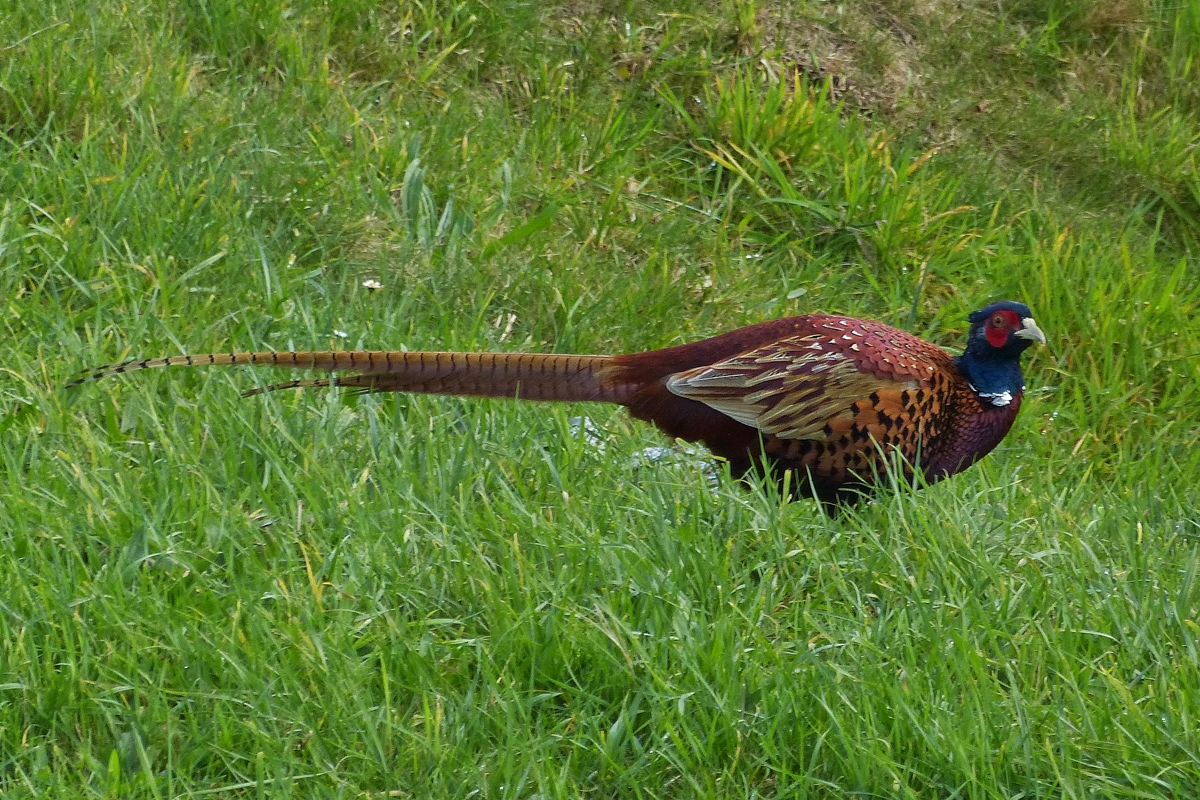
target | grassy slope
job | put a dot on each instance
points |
(312, 595)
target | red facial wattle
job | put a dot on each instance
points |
(1001, 324)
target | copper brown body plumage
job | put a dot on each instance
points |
(833, 399)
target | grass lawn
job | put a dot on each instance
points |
(323, 595)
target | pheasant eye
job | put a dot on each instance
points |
(998, 321)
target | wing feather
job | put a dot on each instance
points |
(793, 388)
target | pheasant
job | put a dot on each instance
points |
(829, 397)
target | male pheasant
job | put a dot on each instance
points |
(826, 396)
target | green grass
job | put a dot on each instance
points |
(328, 596)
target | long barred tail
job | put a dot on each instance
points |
(530, 376)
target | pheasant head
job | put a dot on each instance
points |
(999, 333)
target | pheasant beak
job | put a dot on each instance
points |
(1030, 330)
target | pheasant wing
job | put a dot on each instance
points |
(821, 386)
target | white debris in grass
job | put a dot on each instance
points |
(682, 455)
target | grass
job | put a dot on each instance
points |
(321, 595)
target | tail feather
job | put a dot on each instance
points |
(330, 360)
(531, 376)
(304, 383)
